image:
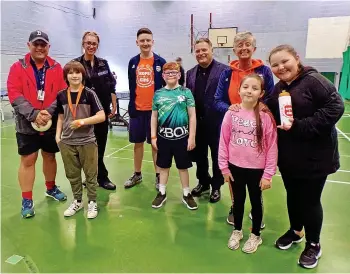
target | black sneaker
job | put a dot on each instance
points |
(309, 257)
(200, 189)
(189, 202)
(287, 239)
(215, 196)
(230, 220)
(159, 200)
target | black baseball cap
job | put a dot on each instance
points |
(38, 35)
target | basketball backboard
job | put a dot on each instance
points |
(222, 37)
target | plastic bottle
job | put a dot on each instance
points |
(285, 106)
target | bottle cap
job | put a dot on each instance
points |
(284, 93)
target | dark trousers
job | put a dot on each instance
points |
(207, 135)
(101, 133)
(247, 177)
(304, 204)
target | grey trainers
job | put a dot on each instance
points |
(236, 237)
(252, 244)
(133, 181)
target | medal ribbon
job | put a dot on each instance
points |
(74, 110)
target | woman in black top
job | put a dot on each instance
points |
(308, 147)
(100, 79)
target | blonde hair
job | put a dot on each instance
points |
(91, 33)
(244, 35)
(204, 40)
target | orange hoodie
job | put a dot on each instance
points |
(236, 78)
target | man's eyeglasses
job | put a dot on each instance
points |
(39, 44)
(171, 73)
(91, 44)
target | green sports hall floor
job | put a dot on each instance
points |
(130, 236)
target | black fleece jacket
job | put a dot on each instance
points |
(310, 148)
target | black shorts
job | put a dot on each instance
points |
(28, 144)
(167, 149)
(140, 128)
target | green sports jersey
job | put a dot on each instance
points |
(171, 105)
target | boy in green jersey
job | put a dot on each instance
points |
(173, 129)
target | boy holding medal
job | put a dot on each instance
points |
(78, 110)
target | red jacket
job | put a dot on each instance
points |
(22, 92)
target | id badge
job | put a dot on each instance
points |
(41, 95)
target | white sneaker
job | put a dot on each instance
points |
(92, 210)
(73, 208)
(236, 237)
(252, 244)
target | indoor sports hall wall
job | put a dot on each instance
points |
(64, 22)
(272, 23)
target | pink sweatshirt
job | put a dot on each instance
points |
(238, 144)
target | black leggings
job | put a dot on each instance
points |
(304, 205)
(251, 178)
(101, 133)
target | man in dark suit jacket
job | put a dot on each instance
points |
(202, 80)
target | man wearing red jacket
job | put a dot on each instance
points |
(33, 83)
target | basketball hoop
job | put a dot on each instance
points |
(222, 37)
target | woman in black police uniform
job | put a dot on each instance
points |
(101, 80)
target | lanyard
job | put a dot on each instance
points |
(40, 82)
(74, 110)
(41, 77)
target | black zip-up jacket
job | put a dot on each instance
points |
(100, 80)
(310, 148)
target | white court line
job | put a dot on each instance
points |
(331, 181)
(344, 155)
(146, 161)
(8, 126)
(338, 182)
(342, 133)
(122, 158)
(109, 155)
(148, 151)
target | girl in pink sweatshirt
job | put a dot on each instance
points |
(248, 157)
